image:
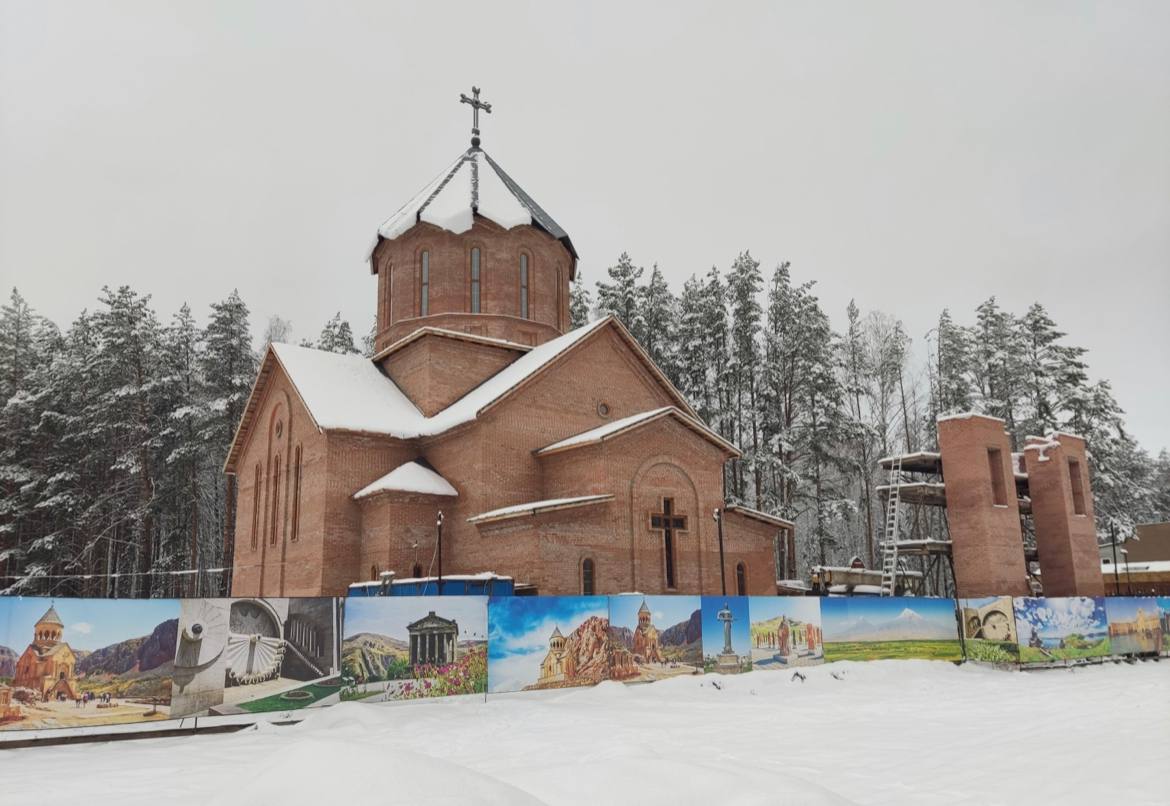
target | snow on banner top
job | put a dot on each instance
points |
(411, 477)
(472, 185)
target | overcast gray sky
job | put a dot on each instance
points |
(913, 155)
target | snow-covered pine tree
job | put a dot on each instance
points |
(714, 354)
(949, 370)
(998, 373)
(279, 331)
(229, 367)
(858, 387)
(619, 297)
(744, 283)
(337, 337)
(1055, 372)
(580, 303)
(658, 318)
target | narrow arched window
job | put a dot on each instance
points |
(272, 531)
(256, 507)
(475, 280)
(424, 293)
(416, 572)
(587, 586)
(740, 579)
(523, 286)
(296, 503)
(373, 572)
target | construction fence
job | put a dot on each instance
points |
(93, 665)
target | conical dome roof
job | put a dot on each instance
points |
(473, 185)
(643, 608)
(51, 617)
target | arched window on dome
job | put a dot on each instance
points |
(588, 588)
(424, 281)
(475, 279)
(740, 579)
(523, 285)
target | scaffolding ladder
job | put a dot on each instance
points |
(890, 544)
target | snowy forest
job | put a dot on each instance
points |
(114, 430)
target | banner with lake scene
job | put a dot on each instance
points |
(1061, 629)
(1135, 625)
(890, 628)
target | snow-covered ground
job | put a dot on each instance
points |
(885, 732)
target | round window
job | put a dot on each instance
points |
(603, 409)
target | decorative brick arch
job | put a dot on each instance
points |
(637, 522)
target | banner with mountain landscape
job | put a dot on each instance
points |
(890, 628)
(539, 642)
(410, 647)
(1059, 630)
(76, 663)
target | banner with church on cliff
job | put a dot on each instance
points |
(539, 642)
(410, 647)
(76, 663)
(655, 637)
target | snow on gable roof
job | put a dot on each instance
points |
(412, 477)
(472, 185)
(603, 432)
(348, 392)
(538, 507)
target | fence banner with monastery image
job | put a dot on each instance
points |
(84, 664)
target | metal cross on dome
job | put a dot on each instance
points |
(476, 105)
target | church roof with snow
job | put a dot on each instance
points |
(609, 430)
(350, 393)
(412, 477)
(473, 185)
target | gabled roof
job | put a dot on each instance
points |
(473, 185)
(412, 477)
(635, 421)
(350, 393)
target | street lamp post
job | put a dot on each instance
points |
(439, 527)
(718, 517)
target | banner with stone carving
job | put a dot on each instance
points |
(890, 628)
(785, 632)
(1135, 625)
(77, 663)
(655, 637)
(989, 629)
(726, 635)
(1061, 630)
(409, 647)
(253, 655)
(539, 642)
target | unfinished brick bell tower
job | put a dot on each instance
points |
(992, 499)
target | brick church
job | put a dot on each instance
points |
(562, 458)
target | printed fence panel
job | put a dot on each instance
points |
(989, 629)
(890, 628)
(655, 637)
(1135, 625)
(1061, 630)
(77, 663)
(726, 634)
(411, 647)
(252, 655)
(1164, 617)
(785, 632)
(538, 642)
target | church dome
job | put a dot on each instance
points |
(473, 252)
(50, 617)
